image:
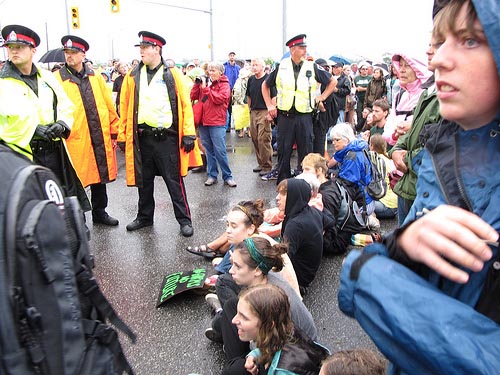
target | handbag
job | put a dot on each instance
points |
(394, 176)
(198, 112)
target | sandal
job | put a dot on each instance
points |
(204, 251)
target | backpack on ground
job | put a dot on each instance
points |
(53, 315)
(348, 221)
(377, 188)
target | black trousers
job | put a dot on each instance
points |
(294, 129)
(98, 199)
(161, 157)
(320, 129)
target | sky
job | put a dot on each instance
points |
(356, 29)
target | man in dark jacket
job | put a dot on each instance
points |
(326, 115)
(342, 90)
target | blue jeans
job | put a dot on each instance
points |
(213, 138)
(384, 212)
(341, 117)
(404, 206)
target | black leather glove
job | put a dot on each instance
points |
(121, 145)
(41, 132)
(56, 130)
(188, 142)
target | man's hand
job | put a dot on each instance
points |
(398, 157)
(56, 130)
(188, 143)
(449, 234)
(121, 145)
(41, 132)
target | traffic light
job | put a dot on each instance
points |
(75, 18)
(115, 6)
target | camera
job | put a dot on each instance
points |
(201, 79)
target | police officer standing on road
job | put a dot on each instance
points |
(35, 108)
(95, 123)
(296, 82)
(157, 132)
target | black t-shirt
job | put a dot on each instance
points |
(117, 87)
(254, 91)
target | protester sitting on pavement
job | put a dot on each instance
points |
(242, 222)
(350, 157)
(302, 229)
(441, 266)
(387, 206)
(337, 237)
(264, 317)
(255, 261)
(353, 362)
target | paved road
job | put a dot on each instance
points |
(131, 267)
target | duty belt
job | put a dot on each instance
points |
(291, 113)
(159, 133)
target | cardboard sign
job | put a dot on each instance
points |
(179, 282)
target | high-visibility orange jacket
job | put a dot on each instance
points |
(95, 124)
(127, 133)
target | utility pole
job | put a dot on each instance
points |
(284, 27)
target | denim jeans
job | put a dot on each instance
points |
(341, 117)
(404, 206)
(384, 212)
(213, 138)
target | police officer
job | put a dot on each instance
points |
(296, 82)
(157, 132)
(95, 123)
(35, 110)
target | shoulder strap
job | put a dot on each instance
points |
(13, 356)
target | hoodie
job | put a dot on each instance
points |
(303, 231)
(405, 102)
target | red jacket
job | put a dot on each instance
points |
(218, 95)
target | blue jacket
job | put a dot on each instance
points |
(353, 166)
(231, 72)
(422, 322)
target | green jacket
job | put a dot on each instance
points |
(426, 112)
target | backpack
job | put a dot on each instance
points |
(377, 188)
(53, 315)
(348, 221)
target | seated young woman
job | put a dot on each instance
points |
(264, 317)
(255, 262)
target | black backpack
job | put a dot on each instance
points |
(53, 316)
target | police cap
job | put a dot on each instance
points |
(299, 40)
(74, 43)
(17, 34)
(150, 39)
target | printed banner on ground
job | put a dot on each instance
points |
(180, 282)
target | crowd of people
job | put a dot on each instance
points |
(433, 125)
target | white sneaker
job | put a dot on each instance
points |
(214, 302)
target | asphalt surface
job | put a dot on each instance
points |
(130, 267)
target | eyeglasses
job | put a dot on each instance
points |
(336, 139)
